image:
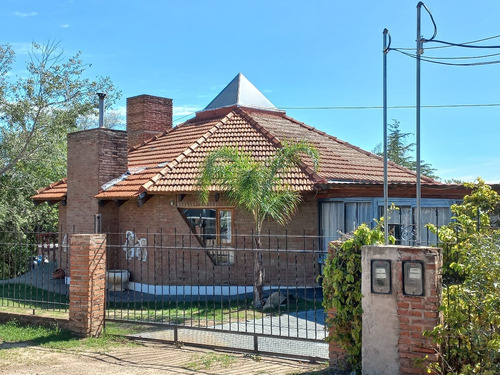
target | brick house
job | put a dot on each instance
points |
(140, 185)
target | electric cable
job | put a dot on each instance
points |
(393, 107)
(449, 46)
(445, 63)
(433, 23)
(462, 57)
(458, 44)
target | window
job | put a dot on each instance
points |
(357, 213)
(402, 223)
(342, 217)
(214, 226)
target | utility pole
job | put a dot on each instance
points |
(386, 188)
(419, 200)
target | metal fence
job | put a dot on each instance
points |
(32, 271)
(181, 287)
(201, 291)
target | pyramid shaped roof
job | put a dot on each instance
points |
(242, 93)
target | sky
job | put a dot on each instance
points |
(302, 55)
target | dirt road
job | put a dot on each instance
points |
(143, 359)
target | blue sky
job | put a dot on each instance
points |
(299, 54)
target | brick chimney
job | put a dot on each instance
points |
(95, 156)
(147, 116)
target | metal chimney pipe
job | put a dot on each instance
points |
(101, 108)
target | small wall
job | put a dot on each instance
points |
(393, 324)
(34, 320)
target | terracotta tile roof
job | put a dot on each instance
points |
(130, 187)
(167, 147)
(54, 192)
(234, 130)
(339, 160)
(170, 162)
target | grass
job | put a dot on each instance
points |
(16, 335)
(30, 297)
(200, 313)
(209, 360)
(193, 313)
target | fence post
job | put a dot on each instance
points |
(88, 284)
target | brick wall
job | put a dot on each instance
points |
(147, 116)
(160, 222)
(419, 314)
(88, 284)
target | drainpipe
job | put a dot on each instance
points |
(101, 109)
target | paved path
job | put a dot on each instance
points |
(232, 335)
(41, 277)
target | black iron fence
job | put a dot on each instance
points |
(32, 271)
(187, 289)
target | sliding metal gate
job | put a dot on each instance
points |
(183, 291)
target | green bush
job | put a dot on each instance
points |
(469, 336)
(342, 291)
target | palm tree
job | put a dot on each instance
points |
(257, 187)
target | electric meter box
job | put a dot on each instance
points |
(381, 278)
(413, 278)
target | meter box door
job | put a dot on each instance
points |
(413, 278)
(381, 279)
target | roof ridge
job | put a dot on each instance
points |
(368, 153)
(172, 164)
(276, 142)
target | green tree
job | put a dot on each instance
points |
(37, 110)
(399, 151)
(257, 187)
(470, 333)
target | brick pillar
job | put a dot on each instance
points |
(419, 314)
(394, 322)
(88, 284)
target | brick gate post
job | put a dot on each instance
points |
(88, 284)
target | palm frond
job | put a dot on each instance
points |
(256, 186)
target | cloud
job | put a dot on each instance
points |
(22, 48)
(65, 26)
(23, 14)
(185, 110)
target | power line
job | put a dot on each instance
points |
(446, 63)
(462, 57)
(184, 116)
(394, 107)
(449, 46)
(459, 44)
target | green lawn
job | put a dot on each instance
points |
(199, 313)
(30, 297)
(12, 332)
(194, 313)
